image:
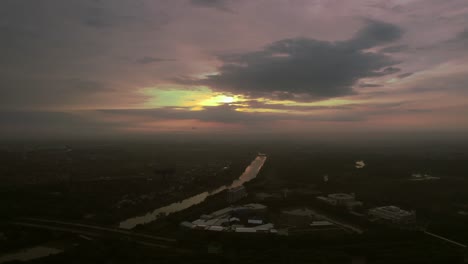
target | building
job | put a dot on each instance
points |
(236, 193)
(264, 228)
(297, 217)
(255, 221)
(341, 199)
(215, 228)
(321, 223)
(247, 218)
(245, 230)
(187, 225)
(393, 214)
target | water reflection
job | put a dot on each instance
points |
(249, 174)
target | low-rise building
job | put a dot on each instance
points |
(321, 223)
(187, 225)
(215, 228)
(341, 199)
(264, 228)
(245, 230)
(297, 217)
(393, 214)
(231, 218)
(236, 193)
(255, 221)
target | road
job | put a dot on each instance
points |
(445, 239)
(344, 225)
(96, 231)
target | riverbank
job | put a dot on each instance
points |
(249, 173)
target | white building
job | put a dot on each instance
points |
(393, 214)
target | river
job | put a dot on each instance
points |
(249, 174)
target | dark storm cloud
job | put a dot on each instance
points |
(373, 34)
(303, 69)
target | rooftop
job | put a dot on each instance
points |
(392, 209)
(340, 196)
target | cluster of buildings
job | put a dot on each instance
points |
(422, 177)
(341, 199)
(385, 214)
(300, 221)
(302, 217)
(249, 218)
(393, 214)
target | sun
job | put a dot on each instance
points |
(226, 99)
(219, 99)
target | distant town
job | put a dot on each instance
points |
(217, 204)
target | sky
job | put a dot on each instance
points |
(311, 67)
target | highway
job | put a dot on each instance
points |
(97, 232)
(340, 223)
(445, 239)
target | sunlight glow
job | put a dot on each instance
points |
(195, 99)
(219, 99)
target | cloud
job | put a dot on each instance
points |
(455, 83)
(375, 33)
(229, 115)
(149, 60)
(388, 71)
(462, 36)
(394, 49)
(36, 124)
(304, 69)
(404, 75)
(40, 92)
(217, 4)
(123, 14)
(369, 85)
